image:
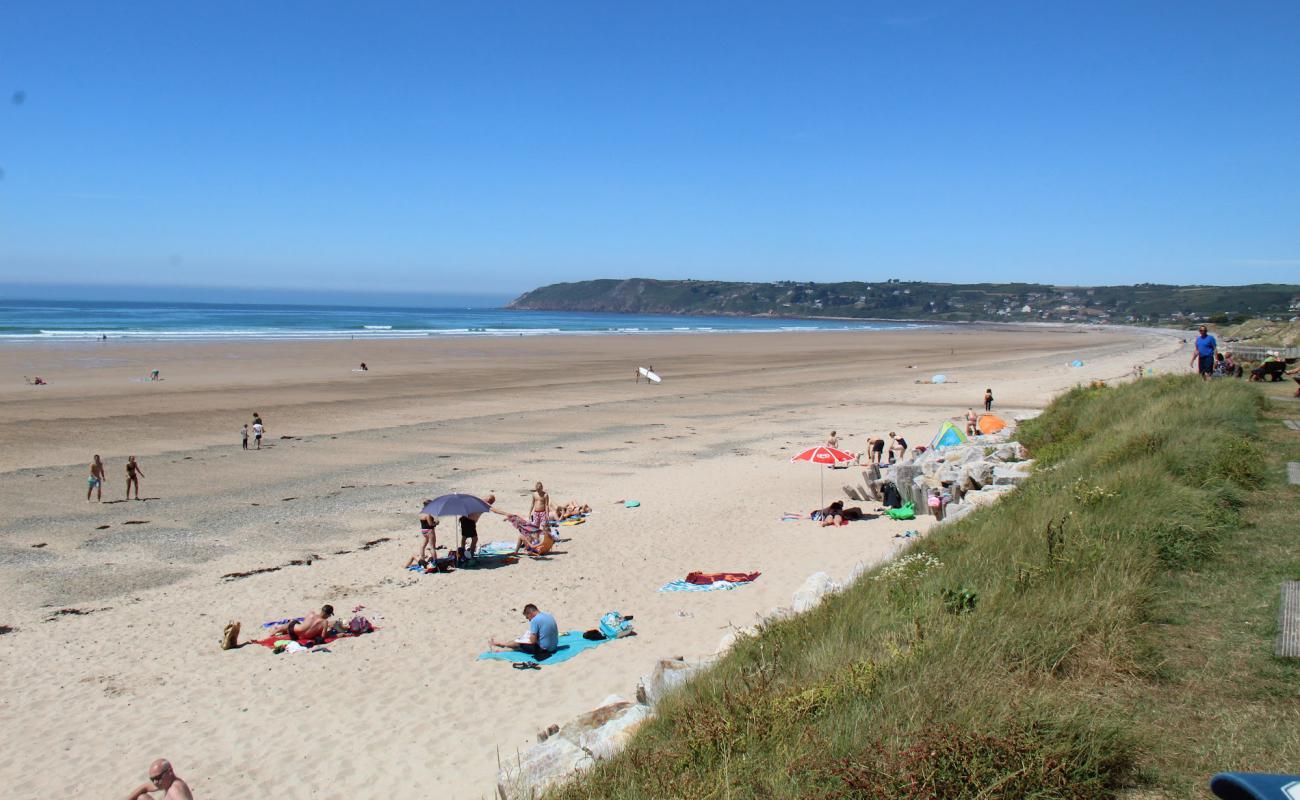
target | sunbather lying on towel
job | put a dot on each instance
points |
(837, 514)
(571, 509)
(313, 626)
(532, 540)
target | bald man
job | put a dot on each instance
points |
(162, 779)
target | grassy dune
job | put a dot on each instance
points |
(1105, 630)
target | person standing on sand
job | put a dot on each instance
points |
(539, 514)
(988, 399)
(1203, 350)
(133, 475)
(429, 532)
(162, 779)
(244, 435)
(876, 446)
(833, 440)
(96, 480)
(258, 430)
(469, 528)
(899, 444)
(972, 428)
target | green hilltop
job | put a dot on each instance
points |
(1144, 303)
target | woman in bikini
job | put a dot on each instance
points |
(133, 475)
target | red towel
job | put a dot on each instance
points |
(271, 641)
(706, 578)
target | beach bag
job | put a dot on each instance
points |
(906, 512)
(613, 625)
(359, 625)
(230, 636)
(891, 495)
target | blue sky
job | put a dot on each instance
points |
(496, 146)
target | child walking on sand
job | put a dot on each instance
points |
(244, 435)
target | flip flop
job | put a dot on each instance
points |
(527, 665)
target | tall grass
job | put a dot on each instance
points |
(1004, 659)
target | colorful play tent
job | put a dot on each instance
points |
(949, 435)
(988, 423)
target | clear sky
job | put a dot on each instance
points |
(496, 146)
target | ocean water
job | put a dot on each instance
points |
(54, 321)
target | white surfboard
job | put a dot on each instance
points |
(651, 376)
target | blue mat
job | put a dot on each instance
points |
(569, 645)
(685, 586)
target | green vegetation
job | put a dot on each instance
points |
(1146, 303)
(1106, 627)
(1268, 333)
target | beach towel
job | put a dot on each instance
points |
(272, 641)
(496, 549)
(705, 578)
(683, 586)
(568, 645)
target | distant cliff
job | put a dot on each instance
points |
(1143, 303)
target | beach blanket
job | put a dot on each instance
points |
(684, 586)
(496, 549)
(275, 622)
(568, 645)
(705, 578)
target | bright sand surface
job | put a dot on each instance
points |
(88, 700)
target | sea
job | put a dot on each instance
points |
(76, 321)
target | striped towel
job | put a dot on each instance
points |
(684, 586)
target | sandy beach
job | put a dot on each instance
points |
(136, 673)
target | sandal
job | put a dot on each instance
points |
(527, 665)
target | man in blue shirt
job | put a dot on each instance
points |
(542, 638)
(1203, 353)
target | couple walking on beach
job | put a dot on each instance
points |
(99, 476)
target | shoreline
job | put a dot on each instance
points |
(706, 453)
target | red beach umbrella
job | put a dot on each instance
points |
(825, 455)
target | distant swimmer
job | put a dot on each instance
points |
(133, 475)
(96, 480)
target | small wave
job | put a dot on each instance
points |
(378, 327)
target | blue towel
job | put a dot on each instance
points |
(684, 586)
(569, 645)
(497, 549)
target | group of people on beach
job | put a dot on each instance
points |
(258, 429)
(99, 476)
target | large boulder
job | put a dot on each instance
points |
(814, 589)
(598, 734)
(668, 674)
(955, 512)
(1011, 451)
(1012, 474)
(976, 475)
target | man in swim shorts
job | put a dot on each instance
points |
(95, 483)
(258, 430)
(539, 512)
(541, 639)
(162, 779)
(469, 527)
(877, 447)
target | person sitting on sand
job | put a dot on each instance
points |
(533, 540)
(162, 779)
(313, 626)
(37, 381)
(95, 483)
(833, 440)
(539, 641)
(364, 368)
(469, 528)
(133, 476)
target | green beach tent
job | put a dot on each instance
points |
(949, 435)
